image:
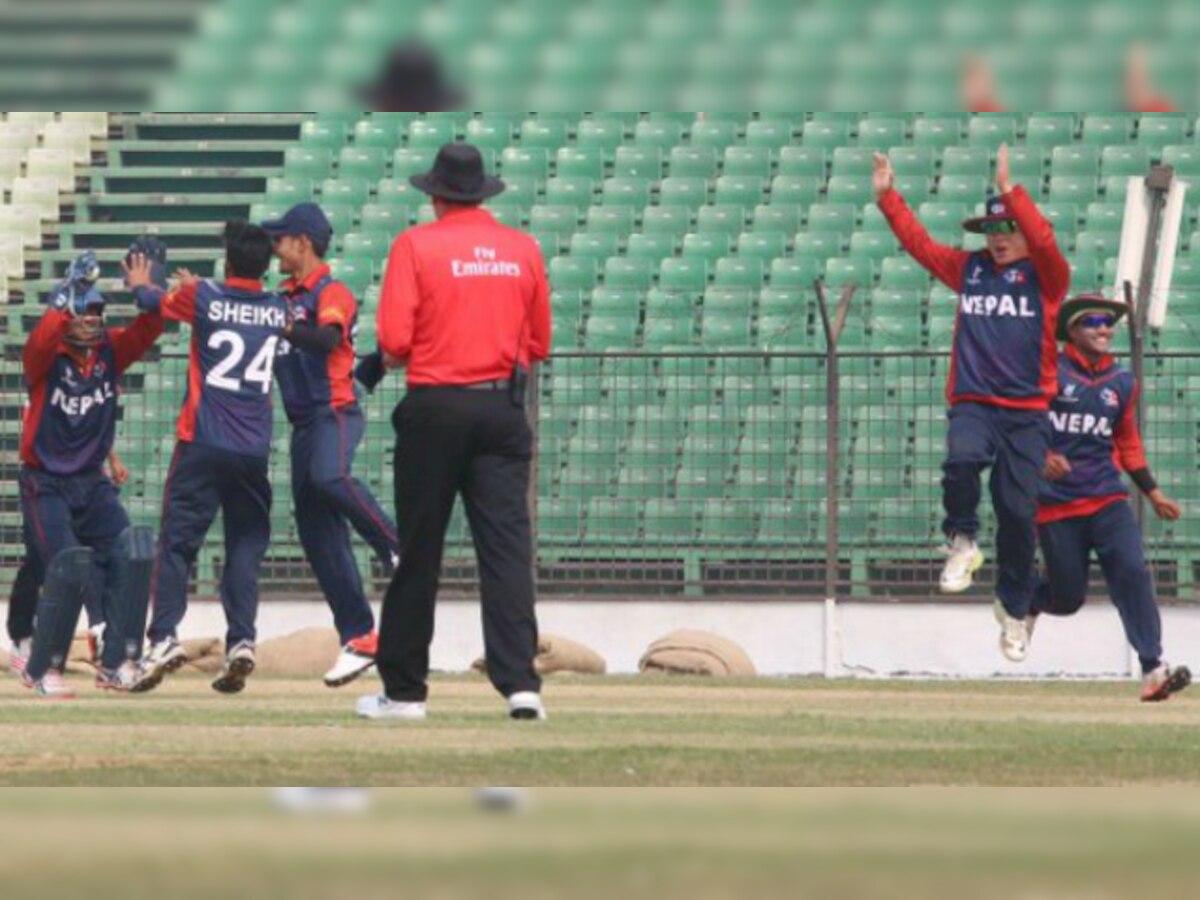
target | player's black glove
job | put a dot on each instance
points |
(155, 251)
(370, 371)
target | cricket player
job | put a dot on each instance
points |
(1084, 506)
(77, 533)
(224, 441)
(315, 373)
(1003, 375)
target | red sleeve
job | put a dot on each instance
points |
(1130, 452)
(131, 344)
(337, 307)
(946, 264)
(398, 301)
(42, 346)
(1052, 267)
(180, 305)
(540, 326)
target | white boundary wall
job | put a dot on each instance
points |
(867, 640)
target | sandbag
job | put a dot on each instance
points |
(205, 655)
(559, 654)
(697, 653)
(305, 654)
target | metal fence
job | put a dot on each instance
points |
(703, 473)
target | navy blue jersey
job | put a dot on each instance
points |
(71, 420)
(1094, 427)
(236, 328)
(310, 383)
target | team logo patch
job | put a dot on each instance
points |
(1068, 394)
(976, 276)
(1014, 276)
(998, 209)
(1109, 398)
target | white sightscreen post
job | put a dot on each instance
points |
(1133, 237)
(1164, 269)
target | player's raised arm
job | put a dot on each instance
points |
(945, 263)
(1052, 267)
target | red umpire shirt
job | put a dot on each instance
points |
(464, 298)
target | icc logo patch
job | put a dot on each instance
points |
(1014, 276)
(1109, 398)
(998, 209)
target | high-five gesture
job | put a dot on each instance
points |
(1003, 171)
(884, 178)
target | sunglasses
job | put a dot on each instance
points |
(1097, 321)
(1008, 226)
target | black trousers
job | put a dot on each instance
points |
(453, 441)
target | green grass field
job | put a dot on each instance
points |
(610, 732)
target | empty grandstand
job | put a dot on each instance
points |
(683, 418)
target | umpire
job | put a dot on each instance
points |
(465, 310)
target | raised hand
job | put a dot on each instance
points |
(139, 272)
(884, 178)
(1003, 170)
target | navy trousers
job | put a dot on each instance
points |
(203, 481)
(1012, 443)
(1113, 535)
(60, 512)
(329, 501)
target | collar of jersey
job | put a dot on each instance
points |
(244, 284)
(293, 286)
(1076, 356)
(468, 212)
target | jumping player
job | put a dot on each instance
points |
(1002, 379)
(224, 441)
(1084, 502)
(77, 534)
(315, 372)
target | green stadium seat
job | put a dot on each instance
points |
(962, 189)
(623, 272)
(341, 215)
(873, 220)
(407, 162)
(739, 190)
(568, 273)
(762, 246)
(937, 131)
(490, 133)
(638, 162)
(853, 189)
(661, 134)
(314, 163)
(1049, 131)
(1063, 216)
(1184, 158)
(769, 133)
(1103, 130)
(833, 218)
(721, 219)
(566, 190)
(915, 188)
(975, 162)
(684, 274)
(393, 192)
(882, 133)
(580, 162)
(561, 219)
(748, 161)
(1028, 164)
(344, 191)
(543, 134)
(522, 191)
(670, 522)
(918, 161)
(610, 332)
(1158, 131)
(721, 331)
(1104, 217)
(322, 134)
(289, 190)
(691, 192)
(1075, 159)
(611, 220)
(387, 219)
(694, 162)
(784, 220)
(803, 162)
(602, 135)
(740, 273)
(795, 190)
(529, 162)
(1118, 160)
(370, 245)
(431, 134)
(627, 192)
(1078, 189)
(826, 134)
(667, 219)
(819, 244)
(654, 247)
(873, 245)
(795, 273)
(716, 134)
(594, 246)
(840, 272)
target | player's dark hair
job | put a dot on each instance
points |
(319, 247)
(248, 250)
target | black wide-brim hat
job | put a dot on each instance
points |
(411, 80)
(1083, 305)
(997, 211)
(458, 176)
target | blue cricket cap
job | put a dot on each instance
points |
(305, 219)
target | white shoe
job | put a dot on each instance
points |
(50, 687)
(239, 665)
(965, 560)
(356, 659)
(378, 707)
(1014, 635)
(527, 707)
(18, 657)
(163, 659)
